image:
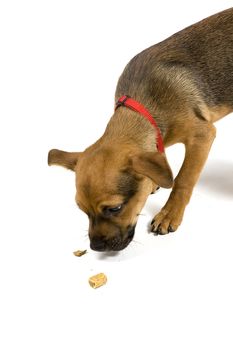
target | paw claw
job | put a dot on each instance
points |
(171, 229)
(162, 231)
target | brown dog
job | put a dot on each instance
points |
(186, 82)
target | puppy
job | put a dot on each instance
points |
(171, 92)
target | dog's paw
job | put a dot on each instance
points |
(165, 221)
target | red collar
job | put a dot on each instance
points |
(127, 101)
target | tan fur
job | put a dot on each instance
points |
(186, 83)
(218, 112)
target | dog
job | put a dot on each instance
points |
(170, 93)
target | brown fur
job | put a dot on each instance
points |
(186, 82)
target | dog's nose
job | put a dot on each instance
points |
(98, 243)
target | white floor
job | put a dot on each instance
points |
(171, 292)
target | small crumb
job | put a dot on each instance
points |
(98, 280)
(80, 252)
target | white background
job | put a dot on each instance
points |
(59, 64)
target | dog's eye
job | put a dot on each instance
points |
(113, 210)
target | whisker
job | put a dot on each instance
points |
(137, 242)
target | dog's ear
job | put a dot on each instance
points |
(155, 166)
(65, 159)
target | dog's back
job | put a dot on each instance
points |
(203, 50)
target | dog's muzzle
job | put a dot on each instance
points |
(116, 243)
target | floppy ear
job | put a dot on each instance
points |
(65, 159)
(155, 166)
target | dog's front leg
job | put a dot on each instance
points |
(197, 148)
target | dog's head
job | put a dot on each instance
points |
(112, 188)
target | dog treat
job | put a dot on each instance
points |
(98, 280)
(80, 252)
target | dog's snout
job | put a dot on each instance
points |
(117, 242)
(98, 244)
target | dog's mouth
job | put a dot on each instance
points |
(117, 243)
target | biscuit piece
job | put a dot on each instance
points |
(98, 280)
(80, 252)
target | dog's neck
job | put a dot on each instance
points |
(129, 127)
